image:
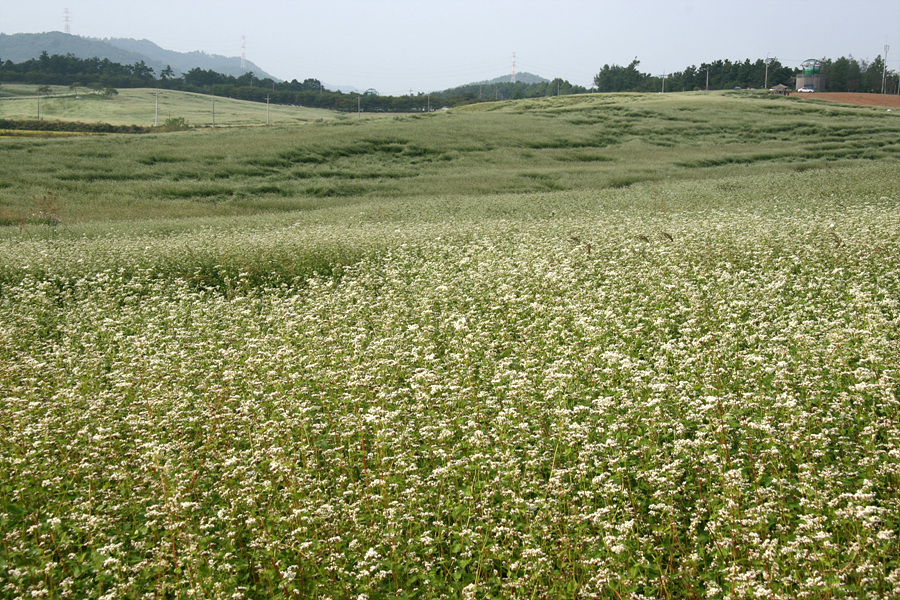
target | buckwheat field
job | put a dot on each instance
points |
(607, 347)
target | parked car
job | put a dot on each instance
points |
(807, 88)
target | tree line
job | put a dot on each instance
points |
(68, 70)
(103, 74)
(70, 126)
(843, 74)
(490, 92)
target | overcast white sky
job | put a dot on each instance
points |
(398, 46)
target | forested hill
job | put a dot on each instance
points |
(21, 47)
(520, 77)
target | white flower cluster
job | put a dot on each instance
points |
(579, 406)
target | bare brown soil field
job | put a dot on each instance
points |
(886, 100)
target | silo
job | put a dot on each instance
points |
(811, 75)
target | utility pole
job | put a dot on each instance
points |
(884, 70)
(766, 85)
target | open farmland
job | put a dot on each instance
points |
(617, 346)
(142, 106)
(886, 101)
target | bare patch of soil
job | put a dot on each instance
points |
(886, 100)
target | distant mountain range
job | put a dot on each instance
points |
(19, 47)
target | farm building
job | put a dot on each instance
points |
(812, 75)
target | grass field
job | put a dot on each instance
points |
(617, 346)
(139, 107)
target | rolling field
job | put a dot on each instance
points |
(608, 346)
(139, 107)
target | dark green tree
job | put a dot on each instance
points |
(615, 78)
(837, 74)
(141, 71)
(311, 85)
(873, 75)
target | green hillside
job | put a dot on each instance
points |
(139, 107)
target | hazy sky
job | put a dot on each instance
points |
(396, 46)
